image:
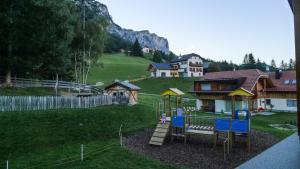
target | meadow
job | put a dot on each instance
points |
(118, 67)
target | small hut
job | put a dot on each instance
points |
(123, 92)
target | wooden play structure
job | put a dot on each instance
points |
(164, 114)
(177, 123)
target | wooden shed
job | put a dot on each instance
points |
(123, 92)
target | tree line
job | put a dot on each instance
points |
(50, 38)
(249, 62)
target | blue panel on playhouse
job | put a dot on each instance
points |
(240, 126)
(180, 112)
(178, 121)
(222, 125)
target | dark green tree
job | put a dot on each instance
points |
(251, 59)
(291, 64)
(157, 57)
(248, 62)
(136, 49)
(273, 64)
(214, 67)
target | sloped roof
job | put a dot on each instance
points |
(127, 85)
(184, 57)
(280, 85)
(173, 92)
(251, 75)
(162, 66)
(241, 92)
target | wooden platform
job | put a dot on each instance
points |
(160, 134)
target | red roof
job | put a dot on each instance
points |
(285, 83)
(251, 75)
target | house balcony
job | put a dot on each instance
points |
(195, 65)
(283, 155)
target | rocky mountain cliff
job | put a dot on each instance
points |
(145, 38)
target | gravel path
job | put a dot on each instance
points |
(198, 152)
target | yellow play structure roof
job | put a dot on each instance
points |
(241, 92)
(172, 92)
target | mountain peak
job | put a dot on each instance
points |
(145, 38)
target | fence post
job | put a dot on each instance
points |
(81, 152)
(6, 164)
(120, 135)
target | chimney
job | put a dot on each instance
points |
(277, 74)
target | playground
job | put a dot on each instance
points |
(199, 151)
(196, 139)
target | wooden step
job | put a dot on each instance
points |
(165, 125)
(159, 134)
(155, 143)
(157, 139)
(161, 130)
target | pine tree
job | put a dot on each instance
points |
(283, 65)
(136, 49)
(251, 60)
(259, 65)
(291, 64)
(273, 64)
(246, 59)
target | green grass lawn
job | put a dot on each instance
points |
(119, 66)
(158, 85)
(262, 123)
(43, 138)
(12, 91)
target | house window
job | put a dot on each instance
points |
(268, 102)
(206, 86)
(114, 94)
(294, 82)
(163, 74)
(191, 69)
(291, 103)
(286, 82)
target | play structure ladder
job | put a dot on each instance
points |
(160, 134)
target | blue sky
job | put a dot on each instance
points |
(216, 29)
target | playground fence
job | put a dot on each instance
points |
(29, 103)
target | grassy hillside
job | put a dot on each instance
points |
(119, 66)
(157, 85)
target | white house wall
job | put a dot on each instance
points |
(194, 59)
(159, 72)
(281, 105)
(199, 104)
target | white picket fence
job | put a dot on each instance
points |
(29, 103)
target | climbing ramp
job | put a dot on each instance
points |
(160, 134)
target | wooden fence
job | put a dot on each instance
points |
(29, 103)
(21, 82)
